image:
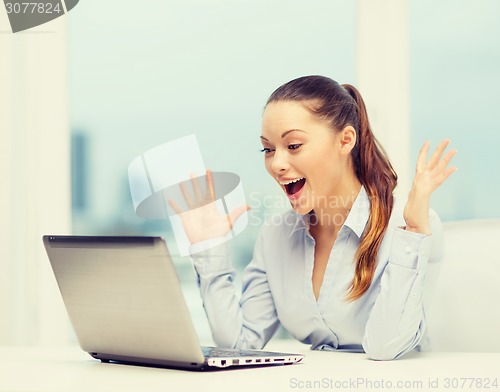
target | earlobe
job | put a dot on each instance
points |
(347, 139)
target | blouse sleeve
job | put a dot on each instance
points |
(248, 322)
(397, 321)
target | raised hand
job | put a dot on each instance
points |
(202, 221)
(428, 177)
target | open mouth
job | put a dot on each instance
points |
(294, 186)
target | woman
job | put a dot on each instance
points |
(347, 268)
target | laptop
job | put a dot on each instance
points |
(126, 305)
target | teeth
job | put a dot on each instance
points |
(290, 182)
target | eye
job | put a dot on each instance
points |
(267, 150)
(294, 146)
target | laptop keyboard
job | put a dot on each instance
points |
(228, 352)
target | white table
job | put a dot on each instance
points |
(69, 369)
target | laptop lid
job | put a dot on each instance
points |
(123, 297)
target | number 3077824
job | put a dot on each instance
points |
(33, 8)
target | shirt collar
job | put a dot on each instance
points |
(359, 214)
(356, 220)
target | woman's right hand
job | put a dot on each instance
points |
(202, 221)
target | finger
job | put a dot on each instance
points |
(422, 156)
(236, 213)
(443, 163)
(436, 156)
(185, 194)
(198, 194)
(447, 173)
(175, 206)
(210, 195)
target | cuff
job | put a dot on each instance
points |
(211, 256)
(410, 249)
(204, 245)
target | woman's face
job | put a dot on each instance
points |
(308, 159)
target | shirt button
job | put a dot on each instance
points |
(407, 249)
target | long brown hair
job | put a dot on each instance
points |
(340, 106)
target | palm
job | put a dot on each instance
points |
(202, 220)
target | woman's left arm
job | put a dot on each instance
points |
(428, 177)
(397, 320)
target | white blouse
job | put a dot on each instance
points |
(388, 321)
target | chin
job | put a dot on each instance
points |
(300, 208)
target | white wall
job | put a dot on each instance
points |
(35, 177)
(383, 79)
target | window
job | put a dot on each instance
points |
(143, 78)
(455, 63)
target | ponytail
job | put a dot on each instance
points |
(378, 177)
(341, 106)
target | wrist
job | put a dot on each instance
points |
(425, 230)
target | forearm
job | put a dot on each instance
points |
(246, 323)
(216, 282)
(397, 320)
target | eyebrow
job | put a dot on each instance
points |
(285, 133)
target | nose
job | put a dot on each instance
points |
(279, 163)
